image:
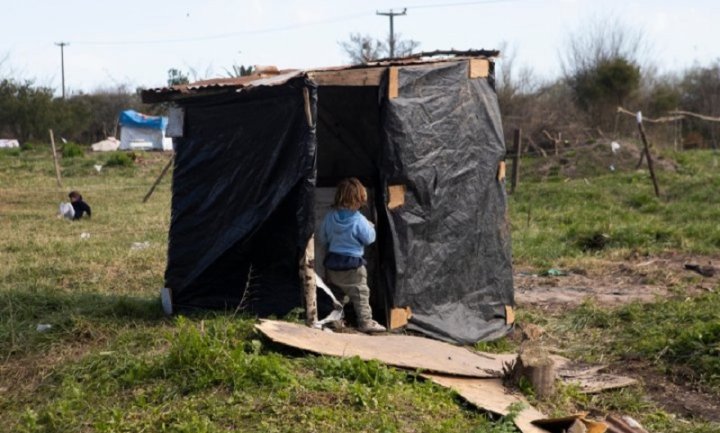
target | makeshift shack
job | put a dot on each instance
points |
(142, 132)
(258, 157)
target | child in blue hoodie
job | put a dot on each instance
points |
(346, 233)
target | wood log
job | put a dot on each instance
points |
(535, 366)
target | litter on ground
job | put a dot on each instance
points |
(476, 376)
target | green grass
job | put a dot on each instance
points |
(111, 362)
(562, 218)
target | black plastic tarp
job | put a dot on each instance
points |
(451, 239)
(242, 206)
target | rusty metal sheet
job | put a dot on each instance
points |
(492, 396)
(281, 76)
(568, 423)
(396, 350)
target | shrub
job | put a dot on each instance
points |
(72, 150)
(119, 159)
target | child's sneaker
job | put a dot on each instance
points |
(371, 327)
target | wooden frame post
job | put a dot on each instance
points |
(307, 276)
(517, 139)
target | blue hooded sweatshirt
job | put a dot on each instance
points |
(346, 233)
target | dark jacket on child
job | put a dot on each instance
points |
(80, 207)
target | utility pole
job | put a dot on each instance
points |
(392, 16)
(62, 63)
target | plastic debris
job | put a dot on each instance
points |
(66, 211)
(552, 272)
(98, 167)
(42, 327)
(614, 146)
(612, 167)
(84, 235)
(136, 246)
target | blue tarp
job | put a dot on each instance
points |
(139, 120)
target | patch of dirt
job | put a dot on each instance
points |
(598, 158)
(675, 398)
(608, 282)
(614, 283)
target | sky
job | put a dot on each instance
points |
(135, 43)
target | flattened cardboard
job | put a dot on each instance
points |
(416, 353)
(491, 395)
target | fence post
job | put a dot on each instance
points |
(647, 154)
(55, 159)
(516, 160)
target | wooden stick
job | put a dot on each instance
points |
(642, 157)
(516, 160)
(647, 155)
(55, 159)
(307, 276)
(162, 174)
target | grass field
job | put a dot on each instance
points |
(111, 362)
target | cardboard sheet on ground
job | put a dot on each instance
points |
(491, 395)
(396, 350)
(590, 380)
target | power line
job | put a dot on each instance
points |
(466, 3)
(333, 20)
(228, 35)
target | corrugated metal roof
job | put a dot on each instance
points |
(273, 79)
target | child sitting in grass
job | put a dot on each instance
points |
(79, 206)
(346, 232)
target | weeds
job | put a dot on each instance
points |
(111, 362)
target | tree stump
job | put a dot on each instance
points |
(535, 365)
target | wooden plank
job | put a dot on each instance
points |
(393, 86)
(509, 315)
(396, 196)
(478, 68)
(397, 350)
(349, 77)
(492, 396)
(501, 171)
(399, 317)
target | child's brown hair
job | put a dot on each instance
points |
(350, 194)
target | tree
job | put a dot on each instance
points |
(364, 48)
(700, 93)
(176, 77)
(601, 65)
(25, 110)
(240, 71)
